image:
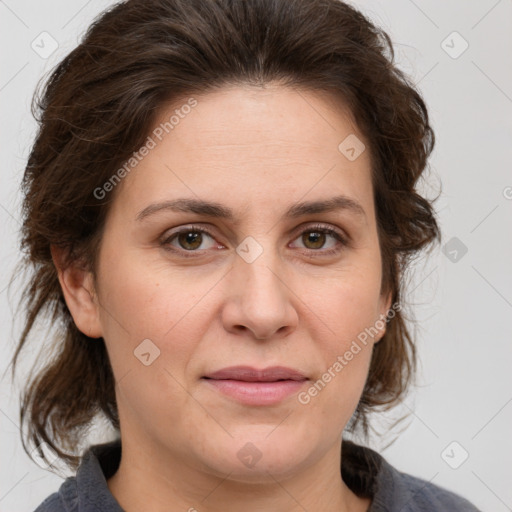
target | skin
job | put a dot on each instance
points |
(257, 151)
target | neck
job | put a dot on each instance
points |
(150, 479)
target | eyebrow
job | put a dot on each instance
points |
(213, 209)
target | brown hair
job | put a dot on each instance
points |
(97, 108)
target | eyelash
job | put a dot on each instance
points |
(318, 228)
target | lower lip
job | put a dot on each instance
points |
(257, 393)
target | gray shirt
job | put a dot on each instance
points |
(363, 470)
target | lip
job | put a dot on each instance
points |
(249, 374)
(251, 386)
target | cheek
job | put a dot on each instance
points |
(154, 323)
(349, 304)
(349, 311)
(148, 299)
(141, 303)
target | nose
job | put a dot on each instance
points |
(259, 301)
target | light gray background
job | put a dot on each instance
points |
(463, 302)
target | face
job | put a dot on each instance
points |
(245, 243)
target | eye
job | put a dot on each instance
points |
(193, 240)
(322, 239)
(190, 239)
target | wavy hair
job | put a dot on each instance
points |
(97, 107)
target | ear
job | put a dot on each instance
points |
(385, 305)
(78, 288)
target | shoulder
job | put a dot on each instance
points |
(51, 504)
(88, 491)
(417, 495)
(368, 474)
(65, 500)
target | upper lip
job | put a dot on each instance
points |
(249, 374)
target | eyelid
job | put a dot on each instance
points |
(168, 236)
(342, 237)
(307, 226)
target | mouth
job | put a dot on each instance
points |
(248, 374)
(256, 387)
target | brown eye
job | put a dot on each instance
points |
(313, 239)
(321, 240)
(190, 240)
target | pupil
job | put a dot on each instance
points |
(316, 239)
(191, 240)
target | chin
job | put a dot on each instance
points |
(258, 457)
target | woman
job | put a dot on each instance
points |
(219, 206)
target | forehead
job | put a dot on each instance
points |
(247, 116)
(270, 145)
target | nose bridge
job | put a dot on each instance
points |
(258, 267)
(258, 299)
